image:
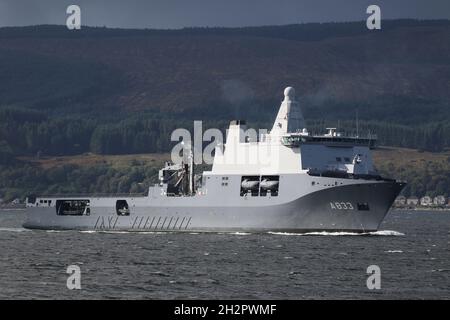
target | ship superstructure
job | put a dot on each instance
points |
(286, 179)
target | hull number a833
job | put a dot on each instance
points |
(341, 206)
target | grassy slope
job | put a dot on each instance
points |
(401, 157)
(92, 160)
(383, 156)
(424, 171)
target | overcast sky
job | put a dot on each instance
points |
(227, 13)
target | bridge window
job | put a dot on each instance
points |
(338, 159)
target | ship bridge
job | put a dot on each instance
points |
(289, 148)
(332, 138)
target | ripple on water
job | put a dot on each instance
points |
(273, 265)
(14, 230)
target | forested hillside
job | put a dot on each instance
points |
(114, 91)
(122, 91)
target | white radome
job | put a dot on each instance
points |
(289, 92)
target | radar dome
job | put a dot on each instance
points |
(289, 93)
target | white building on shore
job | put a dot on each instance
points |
(439, 200)
(400, 201)
(426, 201)
(412, 201)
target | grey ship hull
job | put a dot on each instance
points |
(331, 209)
(289, 180)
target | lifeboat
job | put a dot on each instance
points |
(269, 184)
(250, 184)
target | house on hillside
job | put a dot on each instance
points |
(426, 201)
(15, 201)
(412, 201)
(439, 200)
(400, 201)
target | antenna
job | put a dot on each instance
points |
(357, 124)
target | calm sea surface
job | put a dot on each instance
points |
(412, 251)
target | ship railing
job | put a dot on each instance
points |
(294, 140)
(91, 195)
(345, 175)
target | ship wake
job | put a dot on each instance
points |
(390, 233)
(13, 230)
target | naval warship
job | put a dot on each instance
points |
(303, 182)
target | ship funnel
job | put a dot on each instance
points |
(289, 117)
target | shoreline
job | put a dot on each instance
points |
(421, 209)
